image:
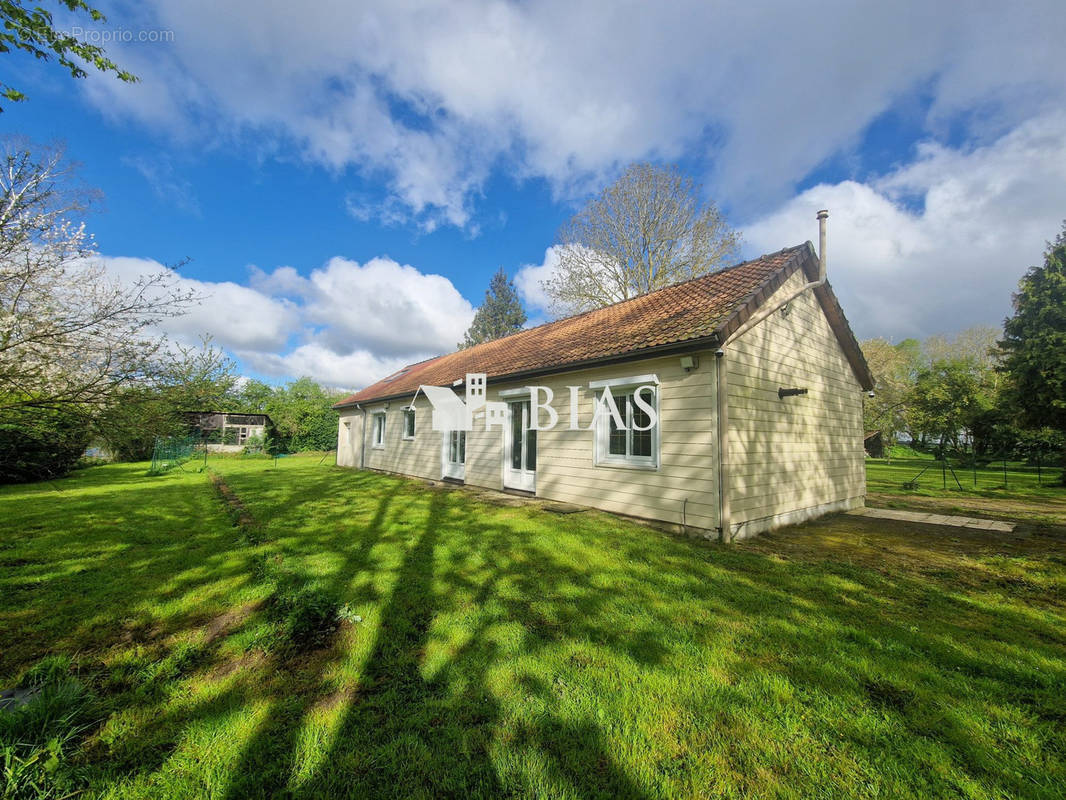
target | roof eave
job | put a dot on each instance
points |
(687, 346)
(804, 258)
(827, 299)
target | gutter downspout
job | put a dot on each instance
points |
(721, 392)
(722, 383)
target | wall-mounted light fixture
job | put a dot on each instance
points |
(782, 392)
(689, 363)
(786, 309)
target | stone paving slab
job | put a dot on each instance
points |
(935, 519)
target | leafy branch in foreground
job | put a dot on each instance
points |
(33, 31)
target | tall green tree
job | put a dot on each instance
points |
(1034, 345)
(252, 397)
(947, 399)
(499, 315)
(1034, 342)
(895, 367)
(32, 31)
(303, 415)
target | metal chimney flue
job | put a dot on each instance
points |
(823, 215)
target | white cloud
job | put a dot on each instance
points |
(937, 245)
(346, 324)
(236, 317)
(528, 282)
(388, 308)
(431, 96)
(347, 371)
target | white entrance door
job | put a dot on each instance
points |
(453, 455)
(520, 468)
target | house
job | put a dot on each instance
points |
(223, 432)
(737, 405)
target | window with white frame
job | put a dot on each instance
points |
(408, 423)
(636, 442)
(378, 429)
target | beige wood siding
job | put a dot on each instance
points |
(681, 489)
(420, 457)
(785, 455)
(797, 452)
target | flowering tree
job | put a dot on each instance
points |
(70, 334)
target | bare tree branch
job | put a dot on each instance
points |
(648, 229)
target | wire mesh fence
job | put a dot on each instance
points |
(965, 472)
(172, 451)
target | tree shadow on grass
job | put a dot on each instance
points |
(430, 715)
(414, 731)
(267, 762)
(289, 678)
(92, 570)
(415, 725)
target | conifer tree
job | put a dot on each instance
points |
(1034, 343)
(499, 315)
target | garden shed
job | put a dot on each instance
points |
(225, 432)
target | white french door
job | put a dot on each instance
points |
(520, 467)
(453, 454)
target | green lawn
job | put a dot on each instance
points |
(491, 650)
(1020, 494)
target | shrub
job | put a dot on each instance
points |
(40, 444)
(48, 671)
(37, 739)
(254, 445)
(308, 616)
(305, 616)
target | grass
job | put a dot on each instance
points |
(1022, 494)
(466, 648)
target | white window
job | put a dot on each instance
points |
(636, 444)
(378, 430)
(408, 423)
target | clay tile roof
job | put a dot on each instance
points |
(688, 312)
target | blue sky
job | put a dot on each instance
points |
(346, 178)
